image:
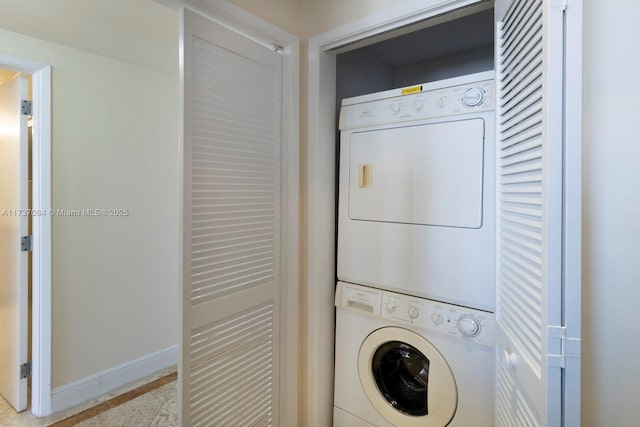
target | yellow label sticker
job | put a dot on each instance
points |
(412, 89)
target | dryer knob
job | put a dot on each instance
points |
(473, 97)
(468, 326)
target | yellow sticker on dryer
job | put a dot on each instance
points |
(412, 89)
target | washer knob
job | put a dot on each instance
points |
(468, 326)
(473, 97)
(391, 306)
(437, 318)
(413, 311)
(417, 105)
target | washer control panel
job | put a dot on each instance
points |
(420, 313)
(462, 322)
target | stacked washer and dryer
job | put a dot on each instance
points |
(416, 264)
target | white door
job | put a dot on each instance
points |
(13, 225)
(231, 224)
(529, 66)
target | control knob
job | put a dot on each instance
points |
(437, 318)
(391, 306)
(413, 311)
(468, 326)
(473, 97)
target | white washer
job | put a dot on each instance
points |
(416, 203)
(410, 362)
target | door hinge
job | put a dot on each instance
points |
(26, 243)
(26, 108)
(25, 370)
(569, 347)
(555, 334)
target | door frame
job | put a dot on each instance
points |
(272, 37)
(41, 227)
(320, 277)
(572, 217)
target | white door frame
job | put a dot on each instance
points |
(321, 203)
(266, 34)
(572, 221)
(41, 253)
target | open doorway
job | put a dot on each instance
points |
(25, 336)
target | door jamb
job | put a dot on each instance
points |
(41, 253)
(320, 278)
(572, 199)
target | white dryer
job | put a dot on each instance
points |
(416, 191)
(409, 362)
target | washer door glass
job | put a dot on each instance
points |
(401, 373)
(406, 379)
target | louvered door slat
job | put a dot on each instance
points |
(231, 228)
(524, 70)
(513, 18)
(528, 181)
(524, 40)
(526, 107)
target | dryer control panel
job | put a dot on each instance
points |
(393, 107)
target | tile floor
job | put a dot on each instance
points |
(154, 408)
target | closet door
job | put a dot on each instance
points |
(529, 43)
(231, 226)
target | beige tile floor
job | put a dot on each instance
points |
(154, 409)
(157, 408)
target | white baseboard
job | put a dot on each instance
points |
(99, 384)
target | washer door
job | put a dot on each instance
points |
(406, 379)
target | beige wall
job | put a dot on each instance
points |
(282, 13)
(115, 136)
(319, 16)
(611, 209)
(134, 31)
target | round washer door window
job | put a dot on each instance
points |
(406, 379)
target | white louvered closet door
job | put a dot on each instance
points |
(529, 66)
(232, 138)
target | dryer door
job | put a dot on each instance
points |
(430, 174)
(406, 379)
